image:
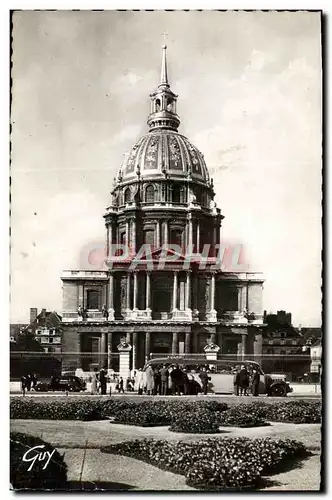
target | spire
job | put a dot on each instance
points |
(163, 102)
(163, 75)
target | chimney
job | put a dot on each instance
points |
(33, 314)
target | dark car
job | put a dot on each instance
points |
(69, 383)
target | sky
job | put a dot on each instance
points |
(249, 87)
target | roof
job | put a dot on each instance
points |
(165, 152)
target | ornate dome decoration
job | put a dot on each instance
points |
(165, 153)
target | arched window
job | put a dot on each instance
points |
(176, 237)
(157, 105)
(177, 194)
(149, 236)
(149, 194)
(169, 105)
(127, 195)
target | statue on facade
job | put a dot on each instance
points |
(192, 197)
(105, 312)
(123, 344)
(210, 345)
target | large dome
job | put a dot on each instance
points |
(165, 152)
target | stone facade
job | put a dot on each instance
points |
(164, 290)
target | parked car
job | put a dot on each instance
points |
(222, 377)
(69, 383)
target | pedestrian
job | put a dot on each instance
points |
(94, 382)
(255, 382)
(164, 373)
(185, 383)
(176, 377)
(34, 381)
(28, 382)
(149, 380)
(139, 382)
(205, 380)
(120, 385)
(103, 381)
(157, 381)
(243, 381)
(23, 384)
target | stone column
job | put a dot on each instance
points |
(188, 291)
(195, 296)
(134, 349)
(187, 343)
(158, 234)
(244, 345)
(135, 292)
(198, 237)
(182, 295)
(128, 292)
(80, 296)
(213, 338)
(148, 292)
(175, 343)
(80, 351)
(103, 344)
(109, 349)
(127, 234)
(147, 344)
(133, 236)
(111, 297)
(239, 297)
(212, 314)
(175, 290)
(190, 233)
(128, 337)
(166, 232)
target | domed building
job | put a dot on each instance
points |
(164, 289)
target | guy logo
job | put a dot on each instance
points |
(32, 455)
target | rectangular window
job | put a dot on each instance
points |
(93, 299)
(50, 340)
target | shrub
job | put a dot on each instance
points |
(203, 421)
(151, 412)
(214, 464)
(54, 476)
(243, 415)
(295, 411)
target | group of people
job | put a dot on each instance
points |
(166, 380)
(28, 382)
(244, 380)
(99, 381)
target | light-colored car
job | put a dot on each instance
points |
(222, 374)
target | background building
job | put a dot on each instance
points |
(162, 196)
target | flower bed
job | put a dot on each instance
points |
(53, 477)
(296, 412)
(202, 421)
(214, 464)
(152, 412)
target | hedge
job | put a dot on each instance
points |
(214, 464)
(53, 477)
(160, 412)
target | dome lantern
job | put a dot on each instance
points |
(163, 102)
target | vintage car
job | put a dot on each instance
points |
(69, 383)
(222, 374)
